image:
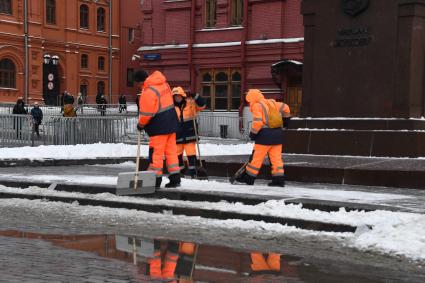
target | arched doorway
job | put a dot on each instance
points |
(287, 75)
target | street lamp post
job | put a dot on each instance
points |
(50, 79)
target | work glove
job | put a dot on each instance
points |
(252, 136)
(139, 127)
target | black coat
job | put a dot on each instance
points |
(37, 114)
(19, 109)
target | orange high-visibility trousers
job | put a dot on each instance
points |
(155, 265)
(259, 153)
(259, 263)
(190, 150)
(161, 146)
(170, 263)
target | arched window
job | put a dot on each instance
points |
(6, 7)
(221, 90)
(84, 61)
(210, 13)
(84, 16)
(236, 91)
(206, 88)
(100, 19)
(84, 89)
(7, 74)
(101, 88)
(51, 12)
(101, 63)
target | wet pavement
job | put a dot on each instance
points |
(37, 257)
(55, 242)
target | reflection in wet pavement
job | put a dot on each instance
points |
(143, 259)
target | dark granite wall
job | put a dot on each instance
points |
(367, 65)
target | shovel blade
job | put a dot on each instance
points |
(145, 183)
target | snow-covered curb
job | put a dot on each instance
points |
(100, 150)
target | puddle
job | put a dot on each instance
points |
(176, 261)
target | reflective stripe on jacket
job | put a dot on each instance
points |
(156, 108)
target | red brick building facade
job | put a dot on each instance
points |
(78, 32)
(131, 31)
(220, 48)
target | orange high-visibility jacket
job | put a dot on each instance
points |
(260, 108)
(187, 114)
(156, 107)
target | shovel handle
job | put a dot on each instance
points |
(136, 175)
(195, 127)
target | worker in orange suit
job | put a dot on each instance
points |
(269, 118)
(187, 109)
(158, 118)
(163, 266)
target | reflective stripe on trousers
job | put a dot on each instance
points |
(260, 151)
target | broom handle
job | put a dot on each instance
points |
(197, 142)
(136, 175)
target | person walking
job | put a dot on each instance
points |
(267, 132)
(37, 118)
(19, 109)
(187, 109)
(123, 103)
(80, 102)
(68, 106)
(158, 118)
(103, 102)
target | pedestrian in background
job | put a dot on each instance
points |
(103, 103)
(80, 102)
(37, 118)
(68, 107)
(123, 103)
(19, 109)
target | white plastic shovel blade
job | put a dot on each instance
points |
(145, 183)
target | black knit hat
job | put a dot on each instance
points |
(140, 76)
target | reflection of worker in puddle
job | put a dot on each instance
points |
(262, 265)
(175, 263)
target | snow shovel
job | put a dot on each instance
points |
(201, 172)
(136, 183)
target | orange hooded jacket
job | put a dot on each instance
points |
(260, 107)
(156, 108)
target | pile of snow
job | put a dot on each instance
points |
(100, 150)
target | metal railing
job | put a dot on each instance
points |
(84, 130)
(15, 130)
(223, 125)
(84, 109)
(18, 130)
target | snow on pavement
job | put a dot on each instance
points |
(290, 190)
(394, 233)
(100, 150)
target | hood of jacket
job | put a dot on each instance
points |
(156, 78)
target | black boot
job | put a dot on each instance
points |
(277, 181)
(174, 181)
(158, 182)
(181, 165)
(245, 178)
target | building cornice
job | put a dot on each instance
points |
(222, 44)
